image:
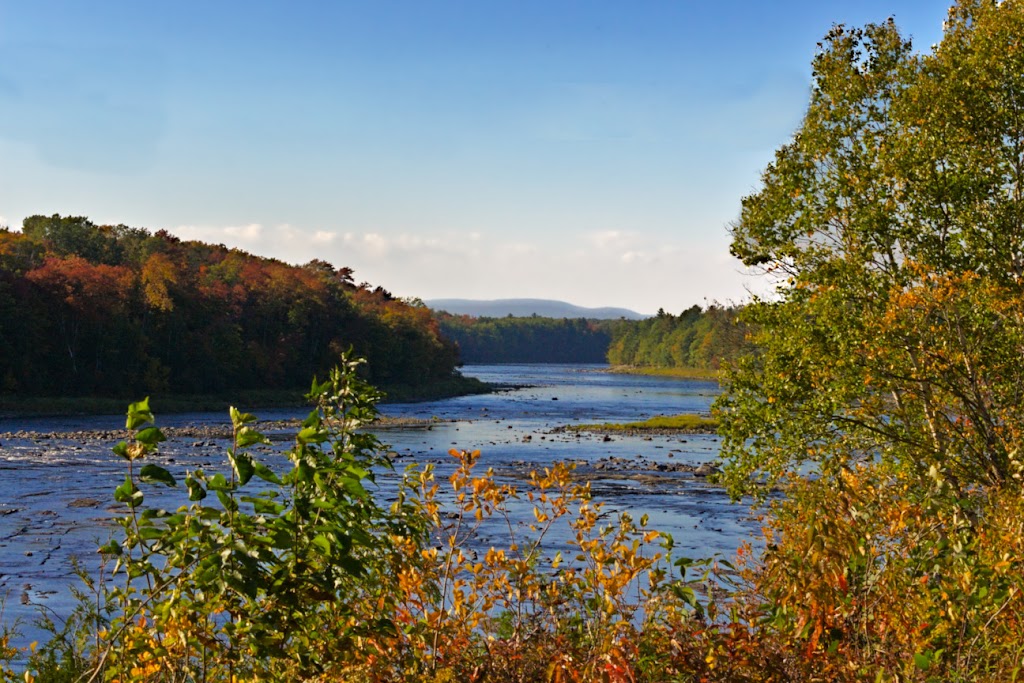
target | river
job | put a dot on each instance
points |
(56, 494)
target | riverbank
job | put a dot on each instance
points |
(56, 406)
(677, 373)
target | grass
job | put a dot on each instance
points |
(678, 373)
(687, 422)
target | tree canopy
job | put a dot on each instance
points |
(90, 309)
(695, 339)
(886, 392)
(892, 223)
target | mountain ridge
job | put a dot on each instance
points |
(524, 308)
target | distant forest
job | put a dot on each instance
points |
(101, 310)
(531, 339)
(699, 339)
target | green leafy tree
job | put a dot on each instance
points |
(694, 339)
(886, 392)
(893, 224)
(73, 236)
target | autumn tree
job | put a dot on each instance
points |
(96, 309)
(892, 224)
(90, 300)
(891, 352)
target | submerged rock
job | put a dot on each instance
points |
(706, 470)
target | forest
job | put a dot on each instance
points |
(695, 339)
(111, 310)
(532, 339)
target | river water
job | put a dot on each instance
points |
(56, 495)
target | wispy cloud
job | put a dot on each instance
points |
(602, 267)
(246, 233)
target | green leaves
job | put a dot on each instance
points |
(264, 472)
(240, 419)
(280, 553)
(243, 466)
(247, 436)
(194, 484)
(153, 474)
(151, 436)
(138, 414)
(128, 493)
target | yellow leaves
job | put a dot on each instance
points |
(157, 274)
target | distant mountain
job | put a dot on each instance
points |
(523, 308)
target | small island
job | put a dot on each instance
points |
(687, 423)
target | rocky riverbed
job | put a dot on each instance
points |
(272, 428)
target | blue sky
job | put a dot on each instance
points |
(590, 151)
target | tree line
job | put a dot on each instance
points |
(90, 309)
(532, 339)
(698, 339)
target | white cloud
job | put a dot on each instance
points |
(600, 268)
(612, 239)
(242, 236)
(248, 233)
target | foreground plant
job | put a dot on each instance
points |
(253, 584)
(521, 612)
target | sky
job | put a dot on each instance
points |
(593, 151)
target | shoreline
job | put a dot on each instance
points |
(636, 431)
(18, 407)
(703, 374)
